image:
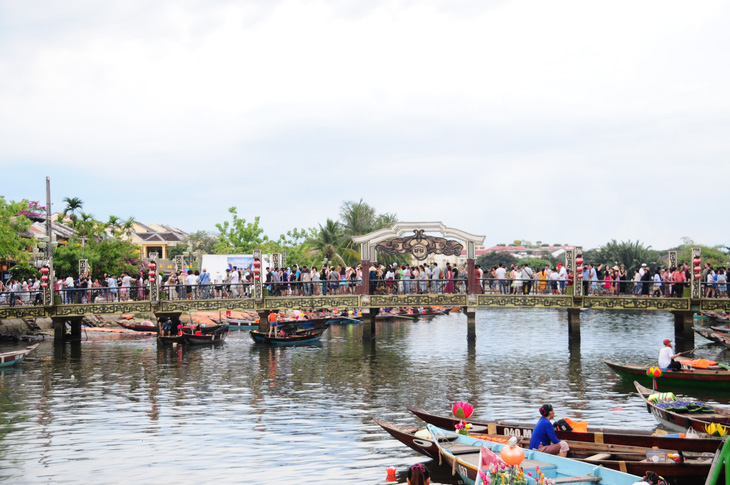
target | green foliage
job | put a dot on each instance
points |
(24, 271)
(239, 236)
(537, 263)
(710, 254)
(494, 258)
(331, 244)
(111, 256)
(12, 244)
(631, 254)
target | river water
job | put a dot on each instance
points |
(116, 409)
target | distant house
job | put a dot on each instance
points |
(156, 238)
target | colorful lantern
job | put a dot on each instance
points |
(512, 454)
(152, 265)
(462, 410)
(654, 372)
(390, 474)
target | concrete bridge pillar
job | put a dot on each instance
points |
(574, 324)
(683, 324)
(368, 323)
(471, 324)
(264, 320)
(59, 328)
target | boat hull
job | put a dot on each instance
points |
(593, 434)
(300, 338)
(695, 378)
(681, 421)
(15, 357)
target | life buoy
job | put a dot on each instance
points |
(127, 316)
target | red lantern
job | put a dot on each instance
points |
(152, 265)
(579, 260)
(152, 274)
(256, 263)
(44, 285)
(697, 261)
(44, 278)
(45, 270)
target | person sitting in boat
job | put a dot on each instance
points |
(418, 475)
(167, 327)
(543, 435)
(666, 357)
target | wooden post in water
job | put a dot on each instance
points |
(368, 321)
(471, 324)
(574, 324)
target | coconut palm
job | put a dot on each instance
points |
(114, 224)
(72, 205)
(330, 243)
(127, 225)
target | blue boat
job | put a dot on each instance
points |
(462, 454)
(16, 356)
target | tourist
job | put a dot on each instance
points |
(273, 324)
(666, 357)
(418, 475)
(646, 281)
(501, 274)
(721, 283)
(678, 277)
(315, 281)
(204, 282)
(233, 283)
(171, 286)
(543, 435)
(435, 277)
(527, 276)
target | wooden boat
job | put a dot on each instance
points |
(593, 434)
(237, 323)
(15, 356)
(682, 421)
(721, 329)
(719, 317)
(143, 326)
(298, 337)
(207, 336)
(631, 459)
(698, 378)
(461, 454)
(720, 470)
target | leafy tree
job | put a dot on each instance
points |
(114, 224)
(537, 263)
(239, 236)
(494, 258)
(296, 244)
(127, 225)
(710, 254)
(631, 254)
(111, 256)
(12, 225)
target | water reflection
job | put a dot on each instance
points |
(107, 408)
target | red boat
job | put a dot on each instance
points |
(143, 326)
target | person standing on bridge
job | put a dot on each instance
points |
(543, 435)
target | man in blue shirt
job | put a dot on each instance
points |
(543, 436)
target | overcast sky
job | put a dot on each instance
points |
(566, 121)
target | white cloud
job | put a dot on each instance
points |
(379, 100)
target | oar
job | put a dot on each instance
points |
(724, 366)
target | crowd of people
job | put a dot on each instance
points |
(386, 279)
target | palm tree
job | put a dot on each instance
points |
(330, 243)
(114, 223)
(72, 205)
(128, 225)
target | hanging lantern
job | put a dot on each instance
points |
(579, 260)
(44, 285)
(152, 265)
(45, 270)
(462, 410)
(152, 274)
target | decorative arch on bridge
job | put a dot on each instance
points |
(390, 240)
